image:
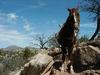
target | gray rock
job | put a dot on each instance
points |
(3, 69)
(37, 65)
(87, 55)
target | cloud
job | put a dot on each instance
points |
(12, 16)
(8, 18)
(27, 27)
(13, 37)
(10, 34)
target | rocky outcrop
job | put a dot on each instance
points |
(37, 65)
(3, 69)
(87, 56)
(86, 61)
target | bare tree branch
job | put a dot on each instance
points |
(41, 41)
(93, 6)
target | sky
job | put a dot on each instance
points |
(21, 20)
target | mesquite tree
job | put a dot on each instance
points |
(52, 42)
(41, 41)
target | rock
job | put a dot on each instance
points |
(87, 56)
(95, 42)
(90, 72)
(54, 52)
(37, 65)
(15, 72)
(86, 61)
(3, 69)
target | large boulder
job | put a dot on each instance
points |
(87, 55)
(15, 72)
(3, 69)
(37, 64)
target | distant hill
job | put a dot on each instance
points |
(12, 48)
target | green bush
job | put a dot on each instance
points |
(84, 38)
(15, 60)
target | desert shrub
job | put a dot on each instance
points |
(15, 60)
(52, 41)
(27, 53)
(84, 38)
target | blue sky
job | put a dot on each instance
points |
(20, 20)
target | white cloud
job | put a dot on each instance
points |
(8, 18)
(13, 37)
(12, 16)
(9, 33)
(27, 27)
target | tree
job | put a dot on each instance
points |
(41, 41)
(26, 53)
(93, 6)
(53, 41)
